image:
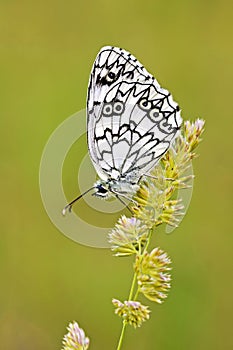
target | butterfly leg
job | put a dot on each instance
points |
(124, 196)
(118, 197)
(155, 177)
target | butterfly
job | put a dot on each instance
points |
(131, 123)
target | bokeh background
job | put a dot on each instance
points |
(46, 52)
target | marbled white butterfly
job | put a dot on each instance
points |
(131, 122)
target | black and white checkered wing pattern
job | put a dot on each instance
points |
(131, 119)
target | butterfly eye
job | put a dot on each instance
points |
(101, 190)
(107, 109)
(145, 104)
(110, 76)
(118, 107)
(155, 116)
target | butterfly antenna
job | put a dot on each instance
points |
(69, 205)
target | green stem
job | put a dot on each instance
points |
(149, 238)
(124, 323)
(132, 286)
(131, 294)
(136, 295)
(121, 336)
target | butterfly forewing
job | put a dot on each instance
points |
(131, 119)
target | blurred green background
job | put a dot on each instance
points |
(47, 49)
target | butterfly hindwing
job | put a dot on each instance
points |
(131, 119)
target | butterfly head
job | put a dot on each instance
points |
(102, 189)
